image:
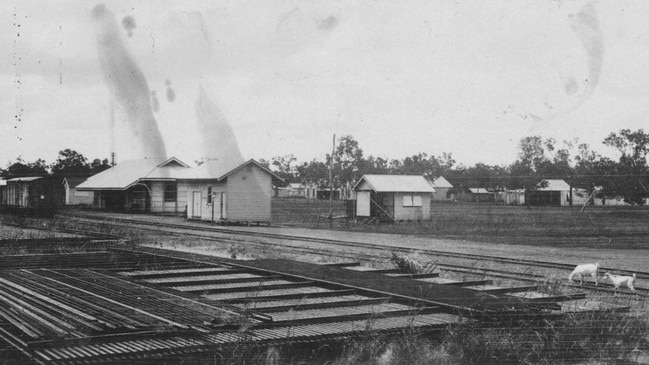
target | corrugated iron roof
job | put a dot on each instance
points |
(125, 174)
(479, 190)
(397, 183)
(120, 176)
(29, 178)
(555, 185)
(73, 181)
(441, 182)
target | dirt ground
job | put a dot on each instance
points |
(629, 259)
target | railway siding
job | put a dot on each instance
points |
(120, 305)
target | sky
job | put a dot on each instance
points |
(257, 79)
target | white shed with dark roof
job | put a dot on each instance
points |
(393, 197)
(74, 197)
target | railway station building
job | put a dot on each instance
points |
(214, 191)
(393, 197)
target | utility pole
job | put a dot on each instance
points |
(331, 182)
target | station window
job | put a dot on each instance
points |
(170, 191)
(209, 195)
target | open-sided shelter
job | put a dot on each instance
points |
(395, 197)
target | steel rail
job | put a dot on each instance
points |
(194, 228)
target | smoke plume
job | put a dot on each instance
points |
(127, 84)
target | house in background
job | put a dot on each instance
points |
(215, 190)
(74, 197)
(443, 190)
(393, 197)
(296, 190)
(513, 197)
(481, 195)
(556, 193)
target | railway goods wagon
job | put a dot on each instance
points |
(34, 195)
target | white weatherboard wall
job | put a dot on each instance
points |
(363, 203)
(411, 213)
(74, 197)
(249, 192)
(206, 211)
(158, 204)
(441, 194)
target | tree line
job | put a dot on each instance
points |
(537, 159)
(69, 162)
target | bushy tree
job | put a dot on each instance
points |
(23, 168)
(316, 172)
(284, 167)
(97, 165)
(629, 177)
(70, 162)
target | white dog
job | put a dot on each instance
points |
(619, 280)
(585, 270)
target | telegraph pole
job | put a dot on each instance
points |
(331, 182)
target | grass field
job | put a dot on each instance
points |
(596, 226)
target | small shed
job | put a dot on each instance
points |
(442, 190)
(393, 197)
(72, 195)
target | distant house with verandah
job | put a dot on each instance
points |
(556, 192)
(393, 197)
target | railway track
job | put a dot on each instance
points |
(520, 272)
(122, 305)
(191, 230)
